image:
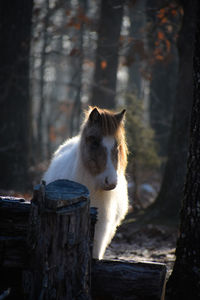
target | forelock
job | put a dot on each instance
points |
(108, 123)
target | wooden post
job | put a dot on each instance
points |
(59, 241)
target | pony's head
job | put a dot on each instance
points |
(103, 146)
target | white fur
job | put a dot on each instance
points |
(110, 173)
(112, 205)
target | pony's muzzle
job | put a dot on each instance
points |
(109, 185)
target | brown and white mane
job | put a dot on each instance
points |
(97, 158)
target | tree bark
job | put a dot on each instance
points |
(59, 241)
(184, 282)
(15, 104)
(14, 216)
(105, 74)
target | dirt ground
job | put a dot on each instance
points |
(149, 242)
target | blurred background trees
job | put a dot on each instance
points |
(109, 53)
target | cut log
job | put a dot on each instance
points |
(14, 216)
(123, 280)
(59, 241)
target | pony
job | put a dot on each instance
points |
(97, 158)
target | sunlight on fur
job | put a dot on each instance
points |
(97, 158)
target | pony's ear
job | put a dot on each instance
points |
(94, 116)
(120, 116)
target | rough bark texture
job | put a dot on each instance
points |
(15, 105)
(184, 282)
(59, 241)
(117, 280)
(14, 216)
(171, 192)
(105, 75)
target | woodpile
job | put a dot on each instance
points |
(46, 245)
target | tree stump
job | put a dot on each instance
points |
(59, 241)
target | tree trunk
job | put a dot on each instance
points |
(59, 241)
(171, 192)
(135, 53)
(164, 75)
(41, 115)
(184, 282)
(15, 104)
(77, 63)
(162, 98)
(105, 74)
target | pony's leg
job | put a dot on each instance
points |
(104, 232)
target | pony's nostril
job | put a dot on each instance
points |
(106, 180)
(112, 186)
(108, 185)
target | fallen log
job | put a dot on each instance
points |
(14, 217)
(124, 280)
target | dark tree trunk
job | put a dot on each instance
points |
(135, 53)
(171, 192)
(42, 106)
(164, 77)
(78, 68)
(184, 282)
(15, 105)
(105, 75)
(162, 98)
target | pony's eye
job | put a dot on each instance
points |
(116, 146)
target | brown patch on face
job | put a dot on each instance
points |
(94, 155)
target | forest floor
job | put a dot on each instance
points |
(146, 242)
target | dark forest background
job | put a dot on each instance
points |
(58, 57)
